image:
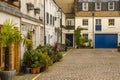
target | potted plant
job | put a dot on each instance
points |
(8, 36)
(59, 56)
(27, 60)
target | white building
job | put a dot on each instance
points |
(52, 22)
(32, 22)
(102, 21)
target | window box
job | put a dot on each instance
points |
(37, 10)
(30, 6)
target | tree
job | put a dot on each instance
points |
(8, 36)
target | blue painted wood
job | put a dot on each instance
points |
(106, 40)
(98, 27)
(70, 38)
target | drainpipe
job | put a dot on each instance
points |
(61, 24)
(93, 31)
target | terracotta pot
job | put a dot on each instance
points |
(38, 70)
(33, 70)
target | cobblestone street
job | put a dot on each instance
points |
(86, 64)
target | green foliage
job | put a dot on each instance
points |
(9, 33)
(77, 36)
(59, 56)
(82, 41)
(28, 57)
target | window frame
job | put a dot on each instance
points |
(85, 35)
(98, 21)
(85, 22)
(85, 6)
(111, 22)
(109, 5)
(96, 6)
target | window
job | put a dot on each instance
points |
(85, 36)
(97, 6)
(85, 6)
(47, 18)
(53, 20)
(111, 22)
(98, 21)
(98, 26)
(69, 22)
(85, 22)
(110, 5)
(50, 19)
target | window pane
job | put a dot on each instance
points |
(85, 22)
(111, 22)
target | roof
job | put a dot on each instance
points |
(67, 6)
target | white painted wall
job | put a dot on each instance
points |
(36, 3)
(38, 37)
(5, 16)
(63, 19)
(52, 8)
(106, 29)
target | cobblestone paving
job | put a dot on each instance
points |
(86, 64)
(25, 77)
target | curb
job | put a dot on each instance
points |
(40, 73)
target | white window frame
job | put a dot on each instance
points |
(98, 21)
(85, 6)
(96, 6)
(111, 22)
(85, 22)
(109, 5)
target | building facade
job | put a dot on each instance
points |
(101, 18)
(52, 22)
(32, 25)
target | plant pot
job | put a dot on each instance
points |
(27, 70)
(33, 70)
(118, 49)
(38, 70)
(7, 75)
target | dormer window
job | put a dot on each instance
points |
(85, 6)
(111, 5)
(97, 6)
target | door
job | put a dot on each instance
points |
(69, 37)
(106, 40)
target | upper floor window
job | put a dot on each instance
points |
(47, 17)
(85, 6)
(111, 22)
(97, 6)
(111, 5)
(69, 22)
(98, 21)
(85, 22)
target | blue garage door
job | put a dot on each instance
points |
(106, 40)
